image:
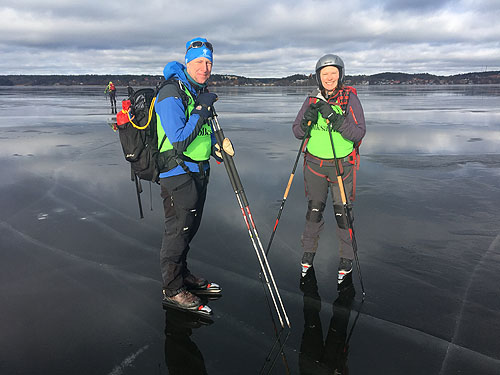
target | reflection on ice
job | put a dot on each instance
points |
(328, 355)
(182, 355)
(402, 119)
(438, 140)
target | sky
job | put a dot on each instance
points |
(259, 38)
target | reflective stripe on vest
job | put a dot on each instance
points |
(201, 147)
(320, 145)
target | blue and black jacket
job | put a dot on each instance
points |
(175, 118)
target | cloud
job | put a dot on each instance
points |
(252, 38)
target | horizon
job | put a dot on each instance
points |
(226, 74)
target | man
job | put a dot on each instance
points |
(186, 142)
(111, 90)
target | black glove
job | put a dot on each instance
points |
(204, 103)
(334, 119)
(216, 154)
(310, 117)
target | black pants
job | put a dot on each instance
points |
(183, 200)
(318, 179)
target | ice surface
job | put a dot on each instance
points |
(80, 283)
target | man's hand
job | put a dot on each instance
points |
(204, 103)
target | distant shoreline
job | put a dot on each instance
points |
(388, 78)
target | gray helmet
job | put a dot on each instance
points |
(330, 60)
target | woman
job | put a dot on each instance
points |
(333, 119)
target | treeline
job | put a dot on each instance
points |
(490, 77)
(388, 78)
(75, 80)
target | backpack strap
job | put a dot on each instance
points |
(171, 158)
(178, 89)
(184, 97)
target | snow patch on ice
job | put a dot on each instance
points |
(42, 216)
(118, 370)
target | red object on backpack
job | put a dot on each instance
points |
(122, 116)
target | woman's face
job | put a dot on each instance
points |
(329, 76)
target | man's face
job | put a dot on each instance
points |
(199, 69)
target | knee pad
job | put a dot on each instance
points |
(340, 217)
(315, 211)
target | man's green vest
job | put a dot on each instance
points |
(201, 147)
(320, 145)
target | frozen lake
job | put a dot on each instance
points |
(79, 272)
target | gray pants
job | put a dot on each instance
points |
(112, 99)
(317, 180)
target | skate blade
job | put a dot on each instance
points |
(179, 318)
(203, 310)
(210, 289)
(206, 298)
(342, 276)
(305, 268)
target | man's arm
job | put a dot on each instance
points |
(179, 130)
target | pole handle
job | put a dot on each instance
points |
(288, 186)
(228, 161)
(342, 191)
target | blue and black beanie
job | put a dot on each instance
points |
(194, 53)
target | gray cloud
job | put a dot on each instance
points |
(421, 5)
(252, 38)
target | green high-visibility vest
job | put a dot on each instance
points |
(201, 147)
(320, 144)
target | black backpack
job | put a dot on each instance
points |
(138, 136)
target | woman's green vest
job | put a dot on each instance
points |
(201, 147)
(320, 144)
